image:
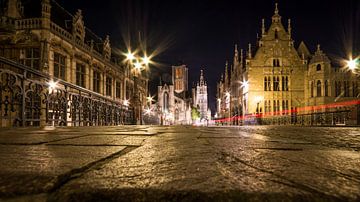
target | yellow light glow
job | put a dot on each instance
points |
(138, 65)
(245, 84)
(351, 64)
(126, 102)
(130, 56)
(258, 99)
(149, 98)
(146, 60)
(52, 84)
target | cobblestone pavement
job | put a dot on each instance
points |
(154, 163)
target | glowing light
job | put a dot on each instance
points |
(126, 102)
(130, 56)
(146, 60)
(245, 84)
(147, 111)
(352, 64)
(149, 98)
(52, 85)
(227, 94)
(219, 100)
(138, 65)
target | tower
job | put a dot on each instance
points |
(202, 98)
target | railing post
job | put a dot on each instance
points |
(23, 101)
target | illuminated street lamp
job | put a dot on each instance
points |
(352, 64)
(137, 65)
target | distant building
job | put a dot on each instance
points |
(277, 83)
(173, 104)
(200, 99)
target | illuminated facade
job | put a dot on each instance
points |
(200, 99)
(173, 103)
(281, 84)
(58, 44)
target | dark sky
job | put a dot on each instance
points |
(202, 34)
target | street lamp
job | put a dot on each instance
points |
(137, 64)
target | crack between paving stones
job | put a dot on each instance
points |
(43, 142)
(63, 179)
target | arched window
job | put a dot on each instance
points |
(312, 89)
(276, 34)
(166, 102)
(318, 88)
(318, 67)
(326, 88)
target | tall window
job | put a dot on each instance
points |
(337, 88)
(355, 89)
(276, 34)
(30, 57)
(166, 102)
(285, 106)
(284, 83)
(276, 63)
(118, 89)
(276, 81)
(276, 106)
(326, 88)
(59, 66)
(80, 74)
(312, 89)
(267, 106)
(346, 89)
(108, 86)
(265, 86)
(96, 81)
(318, 67)
(318, 88)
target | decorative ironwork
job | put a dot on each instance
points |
(30, 101)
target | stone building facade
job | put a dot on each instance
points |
(200, 99)
(58, 44)
(277, 83)
(173, 104)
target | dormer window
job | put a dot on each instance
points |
(318, 67)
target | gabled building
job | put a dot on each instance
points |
(278, 83)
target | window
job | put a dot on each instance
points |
(59, 66)
(276, 34)
(285, 106)
(118, 89)
(346, 89)
(318, 67)
(276, 106)
(96, 81)
(276, 81)
(267, 106)
(312, 89)
(355, 89)
(326, 88)
(30, 57)
(318, 88)
(337, 88)
(276, 63)
(265, 86)
(80, 75)
(284, 83)
(108, 86)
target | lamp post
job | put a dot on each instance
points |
(137, 65)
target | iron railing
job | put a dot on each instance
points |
(28, 99)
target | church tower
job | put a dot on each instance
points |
(202, 98)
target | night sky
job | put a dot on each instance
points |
(202, 34)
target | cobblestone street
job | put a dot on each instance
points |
(180, 163)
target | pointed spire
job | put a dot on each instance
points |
(249, 51)
(241, 57)
(226, 73)
(263, 27)
(201, 78)
(236, 56)
(289, 27)
(276, 17)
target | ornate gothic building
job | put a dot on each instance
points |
(200, 98)
(278, 83)
(173, 104)
(94, 87)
